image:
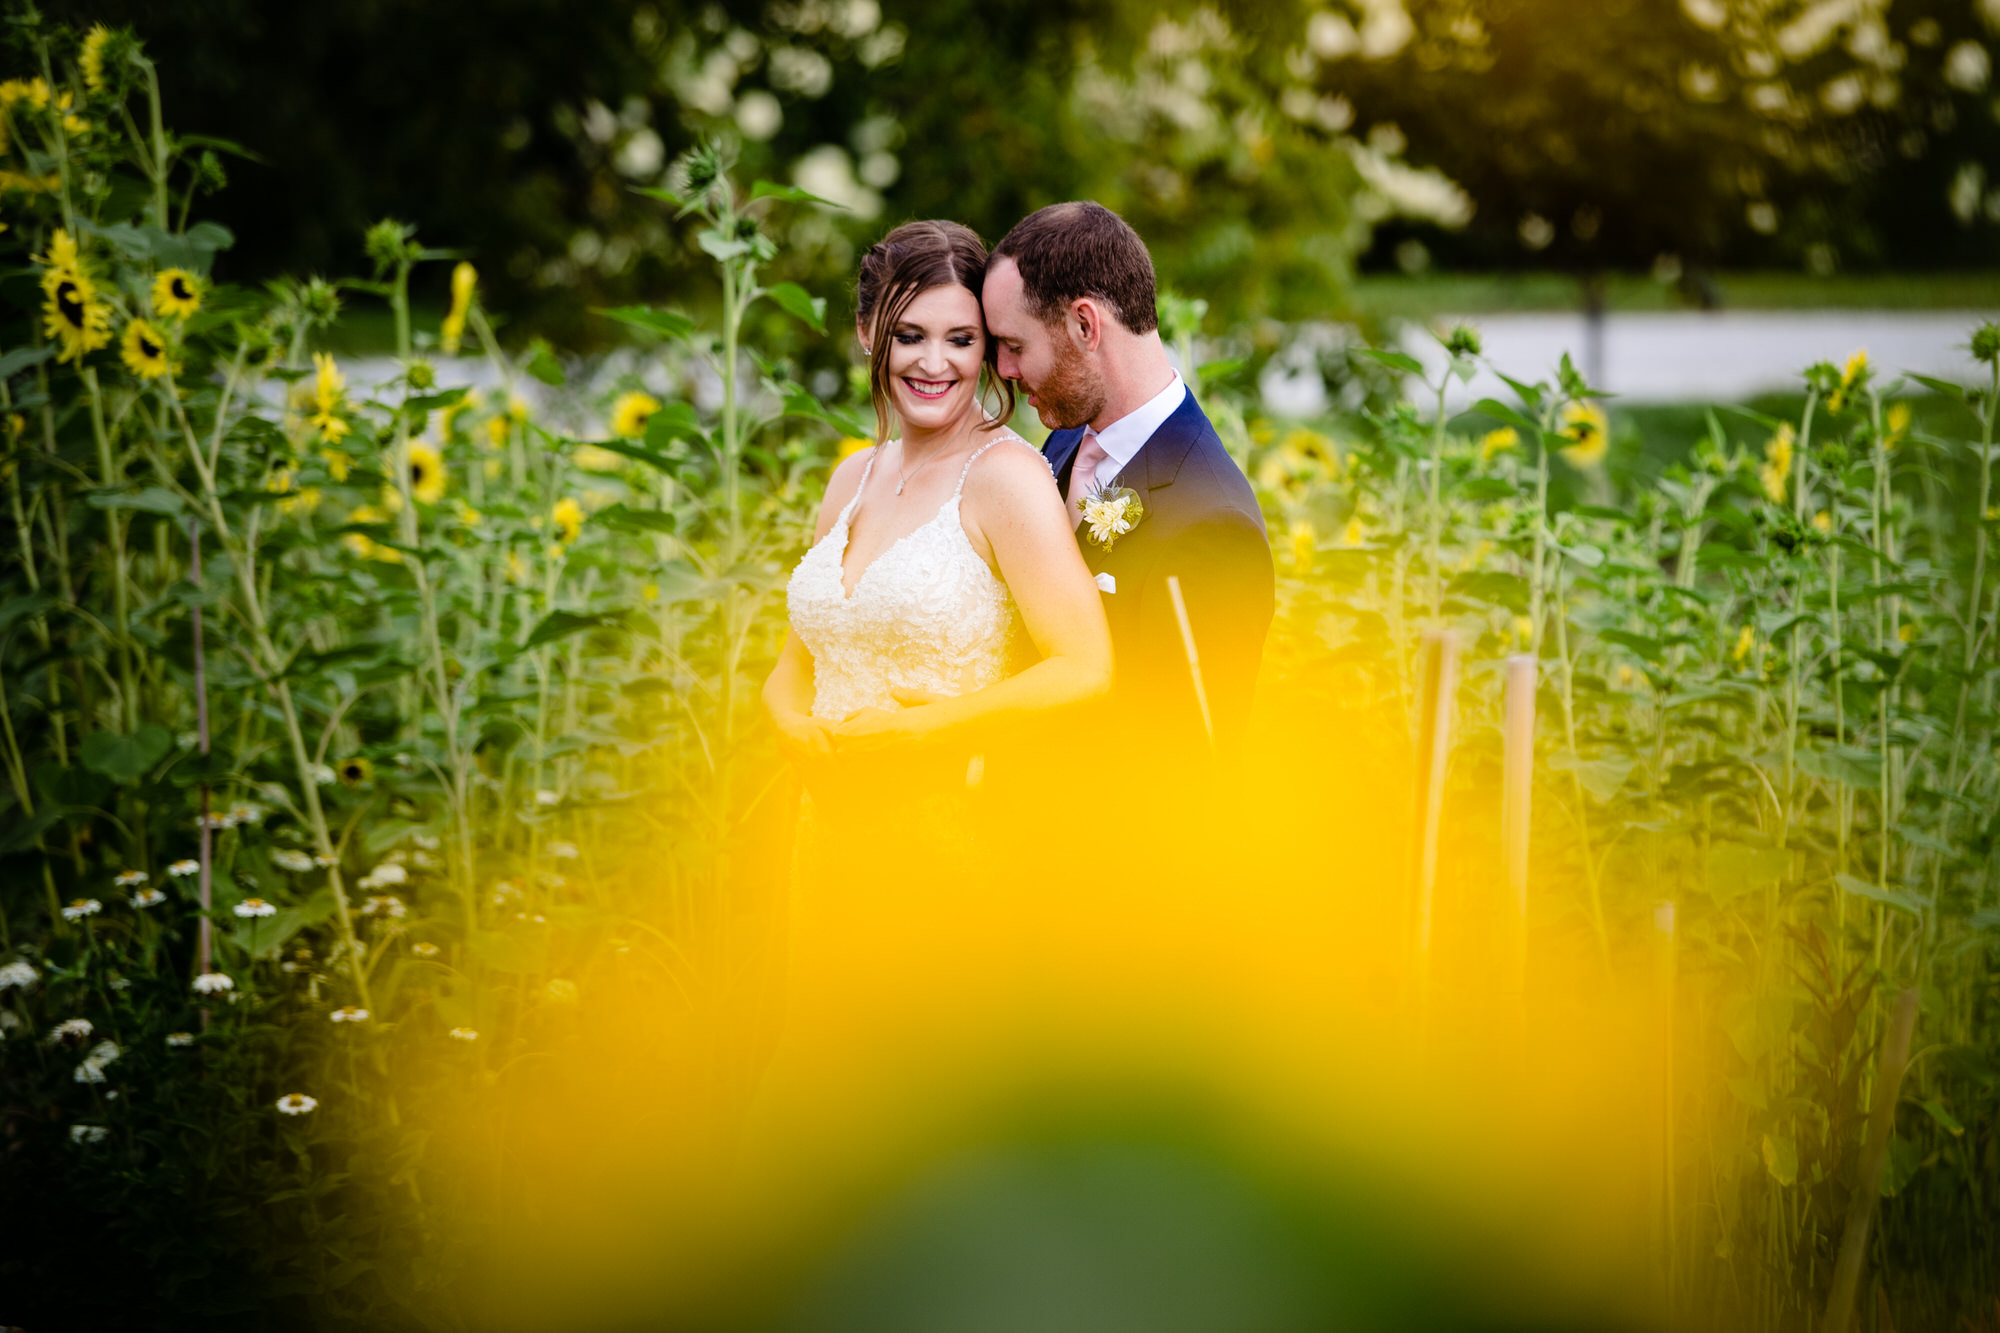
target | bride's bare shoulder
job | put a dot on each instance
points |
(843, 485)
(1011, 461)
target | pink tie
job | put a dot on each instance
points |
(1083, 475)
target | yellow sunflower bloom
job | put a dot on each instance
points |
(496, 432)
(1897, 425)
(852, 445)
(1777, 468)
(1495, 442)
(76, 320)
(1353, 534)
(328, 388)
(427, 477)
(1584, 422)
(362, 544)
(176, 293)
(143, 350)
(91, 59)
(631, 412)
(517, 568)
(337, 463)
(568, 516)
(355, 772)
(1852, 376)
(463, 279)
(1746, 639)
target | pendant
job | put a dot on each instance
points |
(899, 488)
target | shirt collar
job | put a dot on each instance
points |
(1123, 438)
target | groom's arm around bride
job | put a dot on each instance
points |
(1070, 298)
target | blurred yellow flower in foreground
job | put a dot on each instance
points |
(463, 279)
(1907, 632)
(1746, 639)
(1584, 422)
(852, 445)
(1304, 542)
(593, 459)
(517, 568)
(176, 293)
(630, 413)
(496, 432)
(568, 516)
(1496, 442)
(1352, 535)
(1822, 522)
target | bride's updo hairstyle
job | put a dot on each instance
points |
(899, 268)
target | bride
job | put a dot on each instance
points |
(936, 553)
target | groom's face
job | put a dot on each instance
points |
(1063, 384)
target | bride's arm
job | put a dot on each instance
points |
(788, 690)
(1013, 503)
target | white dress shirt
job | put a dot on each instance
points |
(1123, 438)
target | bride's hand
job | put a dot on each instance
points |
(873, 729)
(803, 737)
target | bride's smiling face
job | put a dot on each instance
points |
(935, 353)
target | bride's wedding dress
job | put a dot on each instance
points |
(926, 614)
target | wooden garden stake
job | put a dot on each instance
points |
(1517, 791)
(1193, 658)
(204, 945)
(1874, 1151)
(1664, 921)
(1434, 703)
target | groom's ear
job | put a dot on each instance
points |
(1085, 324)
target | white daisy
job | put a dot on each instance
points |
(384, 904)
(382, 876)
(212, 983)
(83, 907)
(148, 898)
(287, 858)
(87, 1133)
(464, 1034)
(349, 1014)
(546, 797)
(297, 1103)
(90, 1071)
(250, 907)
(424, 949)
(180, 1039)
(18, 973)
(181, 869)
(131, 878)
(71, 1029)
(563, 851)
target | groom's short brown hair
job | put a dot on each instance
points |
(1069, 251)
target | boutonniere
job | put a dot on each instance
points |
(1110, 512)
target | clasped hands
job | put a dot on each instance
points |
(868, 731)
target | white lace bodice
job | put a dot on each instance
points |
(926, 614)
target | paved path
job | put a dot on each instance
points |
(1721, 356)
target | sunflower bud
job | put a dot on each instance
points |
(1986, 343)
(1463, 341)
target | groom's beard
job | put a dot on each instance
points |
(1073, 393)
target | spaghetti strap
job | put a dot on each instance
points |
(847, 510)
(966, 471)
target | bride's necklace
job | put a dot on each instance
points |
(903, 478)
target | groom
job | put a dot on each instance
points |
(1069, 298)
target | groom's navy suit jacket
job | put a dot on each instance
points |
(1202, 525)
